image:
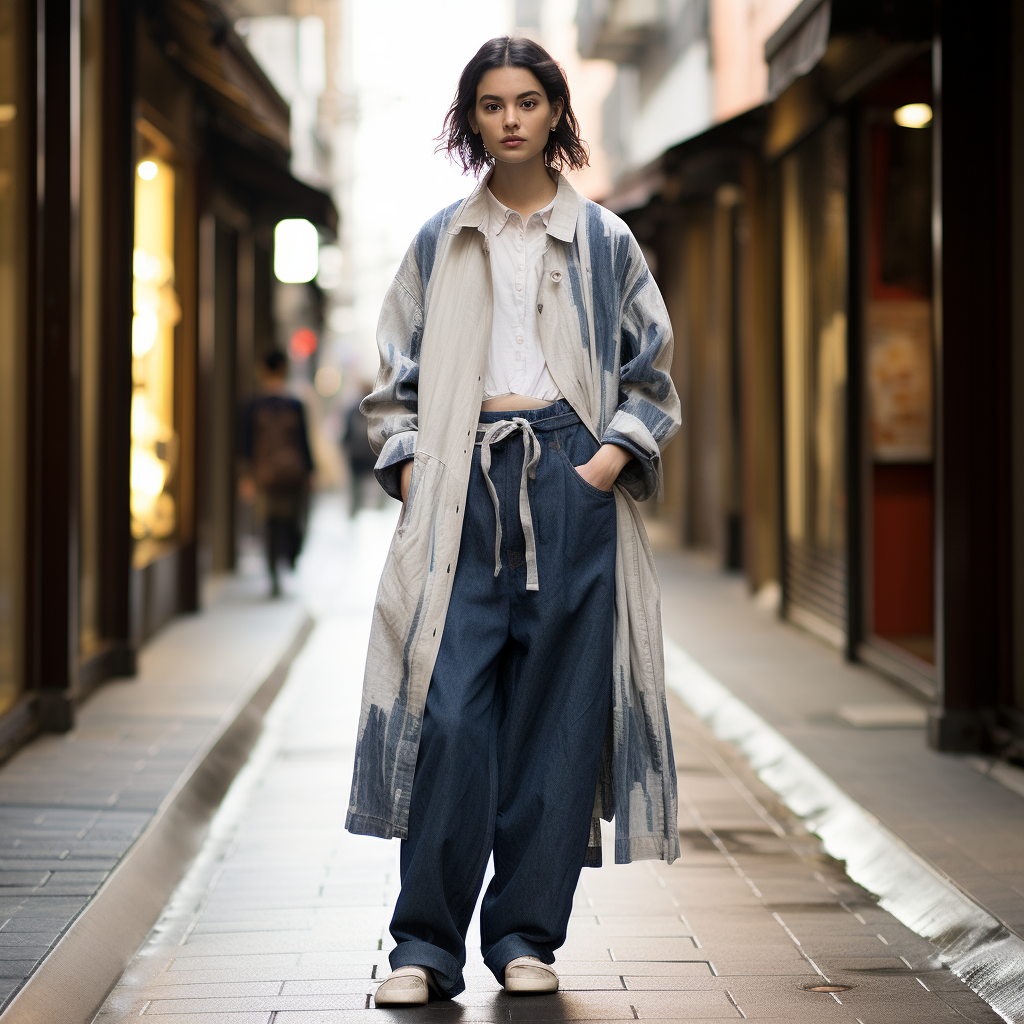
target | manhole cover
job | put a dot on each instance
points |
(827, 988)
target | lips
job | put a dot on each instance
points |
(512, 141)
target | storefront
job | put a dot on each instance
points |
(851, 141)
(703, 229)
(133, 307)
(888, 139)
(838, 266)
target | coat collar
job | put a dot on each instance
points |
(561, 224)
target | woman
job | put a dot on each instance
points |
(514, 688)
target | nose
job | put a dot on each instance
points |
(511, 119)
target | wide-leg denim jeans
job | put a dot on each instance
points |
(516, 713)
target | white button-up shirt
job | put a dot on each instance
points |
(515, 363)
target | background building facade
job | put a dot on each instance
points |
(140, 181)
(825, 191)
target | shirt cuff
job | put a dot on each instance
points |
(641, 475)
(397, 449)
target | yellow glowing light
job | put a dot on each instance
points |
(139, 416)
(148, 474)
(145, 327)
(8, 112)
(144, 266)
(148, 170)
(913, 115)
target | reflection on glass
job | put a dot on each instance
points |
(814, 270)
(13, 206)
(899, 374)
(156, 313)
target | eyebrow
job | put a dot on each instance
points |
(522, 95)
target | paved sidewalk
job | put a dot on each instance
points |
(283, 918)
(967, 824)
(71, 806)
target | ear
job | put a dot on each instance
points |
(556, 112)
(472, 122)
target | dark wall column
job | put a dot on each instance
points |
(972, 139)
(53, 548)
(115, 430)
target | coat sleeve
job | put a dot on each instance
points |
(648, 413)
(391, 408)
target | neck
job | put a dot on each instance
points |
(525, 188)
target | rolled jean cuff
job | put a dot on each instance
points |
(503, 952)
(446, 969)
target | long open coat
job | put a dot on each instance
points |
(607, 340)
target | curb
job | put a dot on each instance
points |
(72, 981)
(974, 944)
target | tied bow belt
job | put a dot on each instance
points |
(493, 433)
(555, 416)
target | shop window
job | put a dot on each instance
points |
(814, 270)
(899, 366)
(157, 312)
(15, 118)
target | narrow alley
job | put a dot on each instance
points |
(282, 919)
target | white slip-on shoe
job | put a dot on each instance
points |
(406, 986)
(528, 974)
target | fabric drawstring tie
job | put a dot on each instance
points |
(494, 433)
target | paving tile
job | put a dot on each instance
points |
(199, 1018)
(321, 986)
(637, 968)
(220, 988)
(679, 1005)
(240, 1004)
(410, 1015)
(269, 961)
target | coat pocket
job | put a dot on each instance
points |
(404, 584)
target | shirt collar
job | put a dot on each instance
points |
(561, 222)
(498, 214)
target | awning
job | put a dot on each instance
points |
(693, 168)
(206, 46)
(797, 45)
(275, 192)
(248, 139)
(801, 41)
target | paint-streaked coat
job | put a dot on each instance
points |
(607, 340)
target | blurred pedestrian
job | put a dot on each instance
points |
(514, 688)
(278, 465)
(360, 455)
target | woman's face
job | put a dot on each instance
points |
(513, 115)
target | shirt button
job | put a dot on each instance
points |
(519, 287)
(556, 276)
(519, 340)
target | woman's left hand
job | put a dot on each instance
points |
(604, 468)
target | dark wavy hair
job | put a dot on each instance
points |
(564, 149)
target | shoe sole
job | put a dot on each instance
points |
(530, 987)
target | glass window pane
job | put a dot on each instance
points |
(154, 456)
(814, 322)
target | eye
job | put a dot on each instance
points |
(529, 104)
(491, 108)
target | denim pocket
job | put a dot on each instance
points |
(585, 484)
